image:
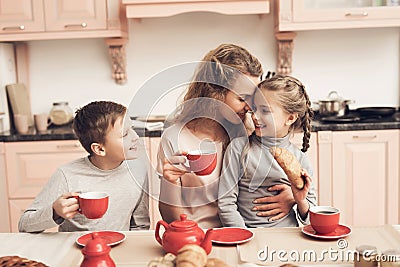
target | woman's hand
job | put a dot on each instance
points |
(277, 206)
(66, 206)
(171, 171)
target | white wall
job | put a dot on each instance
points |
(361, 64)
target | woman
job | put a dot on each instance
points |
(215, 110)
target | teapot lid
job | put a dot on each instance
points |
(96, 246)
(183, 223)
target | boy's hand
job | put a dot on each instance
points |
(66, 206)
(171, 170)
(277, 206)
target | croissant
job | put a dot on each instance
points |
(191, 255)
(290, 166)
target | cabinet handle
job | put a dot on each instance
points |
(13, 28)
(361, 14)
(82, 25)
(364, 136)
(68, 146)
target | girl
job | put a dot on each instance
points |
(249, 168)
(213, 112)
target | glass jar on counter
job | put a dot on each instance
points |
(61, 113)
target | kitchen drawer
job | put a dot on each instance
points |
(30, 164)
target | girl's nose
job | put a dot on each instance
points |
(247, 107)
(135, 136)
(254, 115)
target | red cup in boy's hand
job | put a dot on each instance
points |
(93, 204)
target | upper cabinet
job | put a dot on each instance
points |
(296, 15)
(21, 16)
(164, 8)
(22, 20)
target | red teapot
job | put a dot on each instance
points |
(179, 233)
(96, 253)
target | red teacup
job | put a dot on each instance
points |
(93, 204)
(202, 162)
(324, 219)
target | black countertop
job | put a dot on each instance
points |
(66, 133)
(57, 133)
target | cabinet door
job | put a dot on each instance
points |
(31, 164)
(4, 220)
(154, 182)
(330, 14)
(72, 15)
(365, 176)
(21, 16)
(360, 10)
(17, 207)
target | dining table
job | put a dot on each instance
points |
(266, 247)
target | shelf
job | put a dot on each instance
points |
(146, 9)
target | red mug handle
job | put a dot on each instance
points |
(157, 231)
(77, 199)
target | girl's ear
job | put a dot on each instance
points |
(98, 149)
(291, 119)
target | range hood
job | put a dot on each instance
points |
(164, 8)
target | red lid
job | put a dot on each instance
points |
(183, 223)
(97, 245)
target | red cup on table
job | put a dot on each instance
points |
(93, 204)
(324, 219)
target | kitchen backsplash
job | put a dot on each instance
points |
(350, 61)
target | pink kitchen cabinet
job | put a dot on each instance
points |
(75, 15)
(359, 174)
(163, 8)
(57, 19)
(21, 16)
(28, 167)
(154, 181)
(298, 15)
(4, 219)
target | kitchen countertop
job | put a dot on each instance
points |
(57, 133)
(66, 133)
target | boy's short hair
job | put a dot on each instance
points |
(93, 121)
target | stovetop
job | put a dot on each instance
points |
(352, 116)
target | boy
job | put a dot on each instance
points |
(104, 130)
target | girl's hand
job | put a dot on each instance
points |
(66, 206)
(277, 206)
(301, 194)
(171, 170)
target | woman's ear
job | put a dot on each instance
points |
(98, 149)
(291, 119)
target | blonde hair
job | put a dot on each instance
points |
(293, 98)
(213, 78)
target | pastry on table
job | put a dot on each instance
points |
(16, 261)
